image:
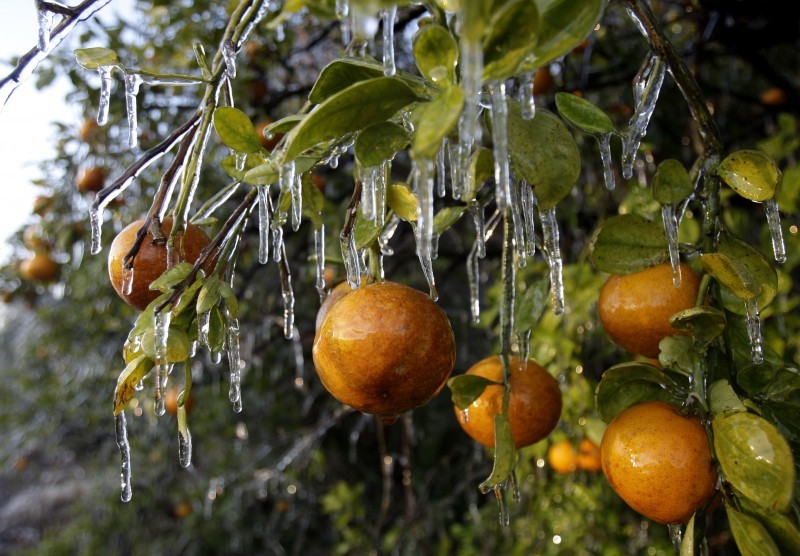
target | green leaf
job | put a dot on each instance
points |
(756, 459)
(531, 305)
(252, 160)
(628, 243)
(627, 384)
(584, 115)
(313, 200)
(465, 389)
(433, 121)
(216, 331)
(436, 54)
(93, 58)
(171, 277)
(365, 231)
(345, 72)
(513, 31)
(187, 298)
(209, 295)
(236, 130)
(679, 354)
(755, 379)
(723, 398)
(687, 542)
(730, 275)
(349, 110)
(402, 201)
(752, 538)
(781, 528)
(446, 217)
(133, 373)
(284, 125)
(474, 17)
(543, 153)
(505, 455)
(481, 168)
(379, 143)
(263, 174)
(671, 183)
(752, 174)
(704, 323)
(229, 298)
(177, 345)
(743, 270)
(563, 25)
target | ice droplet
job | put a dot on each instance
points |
(229, 57)
(520, 246)
(553, 252)
(524, 347)
(277, 241)
(476, 211)
(604, 142)
(670, 217)
(106, 83)
(369, 177)
(234, 361)
(132, 82)
(185, 447)
(45, 19)
(473, 277)
(465, 414)
(241, 160)
(516, 494)
(388, 16)
(263, 224)
(526, 98)
(528, 202)
(646, 88)
(388, 232)
(423, 229)
(676, 535)
(350, 259)
(502, 173)
(502, 504)
(299, 361)
(441, 169)
(121, 428)
(127, 279)
(288, 297)
(342, 9)
(286, 181)
(161, 322)
(774, 223)
(203, 327)
(754, 330)
(319, 255)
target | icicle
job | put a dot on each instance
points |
(524, 347)
(480, 229)
(342, 9)
(384, 171)
(96, 225)
(127, 280)
(299, 361)
(229, 56)
(277, 241)
(203, 327)
(473, 277)
(286, 181)
(502, 173)
(526, 97)
(369, 178)
(423, 230)
(670, 218)
(132, 82)
(297, 201)
(502, 504)
(342, 13)
(240, 160)
(234, 362)
(363, 26)
(647, 86)
(553, 252)
(754, 330)
(441, 169)
(106, 82)
(520, 245)
(350, 259)
(121, 426)
(288, 302)
(471, 60)
(388, 15)
(388, 231)
(161, 321)
(516, 494)
(263, 224)
(216, 357)
(528, 202)
(185, 447)
(774, 222)
(319, 255)
(457, 176)
(604, 141)
(334, 162)
(676, 535)
(45, 17)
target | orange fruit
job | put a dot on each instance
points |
(542, 81)
(562, 457)
(635, 308)
(659, 461)
(150, 261)
(42, 204)
(774, 96)
(90, 179)
(171, 401)
(534, 405)
(270, 143)
(87, 129)
(384, 349)
(341, 290)
(183, 510)
(588, 457)
(39, 268)
(34, 239)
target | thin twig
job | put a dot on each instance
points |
(351, 212)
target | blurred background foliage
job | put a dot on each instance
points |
(295, 472)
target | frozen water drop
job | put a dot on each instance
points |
(369, 182)
(342, 9)
(203, 327)
(241, 160)
(229, 57)
(106, 83)
(121, 427)
(456, 169)
(441, 169)
(216, 357)
(670, 217)
(388, 232)
(527, 100)
(132, 82)
(476, 211)
(516, 494)
(676, 535)
(234, 361)
(502, 505)
(350, 259)
(553, 252)
(524, 347)
(127, 279)
(45, 19)
(319, 255)
(299, 360)
(388, 16)
(528, 202)
(754, 330)
(465, 414)
(96, 225)
(520, 246)
(646, 87)
(604, 141)
(775, 230)
(473, 277)
(263, 224)
(502, 173)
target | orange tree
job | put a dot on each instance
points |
(411, 147)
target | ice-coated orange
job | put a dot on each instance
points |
(635, 308)
(659, 461)
(534, 405)
(384, 349)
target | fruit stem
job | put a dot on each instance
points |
(507, 303)
(702, 290)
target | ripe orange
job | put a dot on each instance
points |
(659, 461)
(270, 143)
(171, 401)
(774, 96)
(534, 406)
(87, 129)
(39, 268)
(34, 239)
(562, 457)
(183, 510)
(635, 308)
(341, 290)
(588, 455)
(91, 179)
(384, 349)
(542, 81)
(150, 261)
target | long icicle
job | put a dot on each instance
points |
(121, 426)
(553, 252)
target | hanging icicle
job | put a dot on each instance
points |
(234, 365)
(604, 142)
(369, 184)
(288, 296)
(121, 428)
(553, 252)
(646, 88)
(161, 322)
(388, 16)
(754, 330)
(106, 83)
(45, 19)
(502, 173)
(520, 245)
(132, 83)
(350, 260)
(319, 256)
(775, 230)
(527, 100)
(441, 169)
(263, 224)
(670, 217)
(342, 14)
(423, 229)
(528, 202)
(229, 57)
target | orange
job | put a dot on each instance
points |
(562, 457)
(774, 96)
(384, 349)
(87, 129)
(534, 405)
(39, 268)
(91, 179)
(635, 308)
(588, 457)
(34, 239)
(270, 143)
(341, 290)
(171, 401)
(659, 461)
(542, 81)
(183, 510)
(150, 261)
(42, 204)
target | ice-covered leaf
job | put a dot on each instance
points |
(93, 58)
(263, 174)
(177, 345)
(756, 459)
(186, 300)
(704, 323)
(531, 304)
(584, 115)
(133, 373)
(628, 243)
(481, 168)
(365, 232)
(752, 174)
(284, 125)
(563, 25)
(433, 121)
(513, 31)
(313, 201)
(465, 389)
(351, 109)
(379, 143)
(345, 72)
(171, 276)
(781, 527)
(402, 201)
(216, 331)
(436, 54)
(627, 384)
(229, 299)
(505, 455)
(723, 398)
(752, 538)
(209, 295)
(236, 130)
(679, 354)
(446, 217)
(671, 183)
(543, 153)
(743, 270)
(230, 165)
